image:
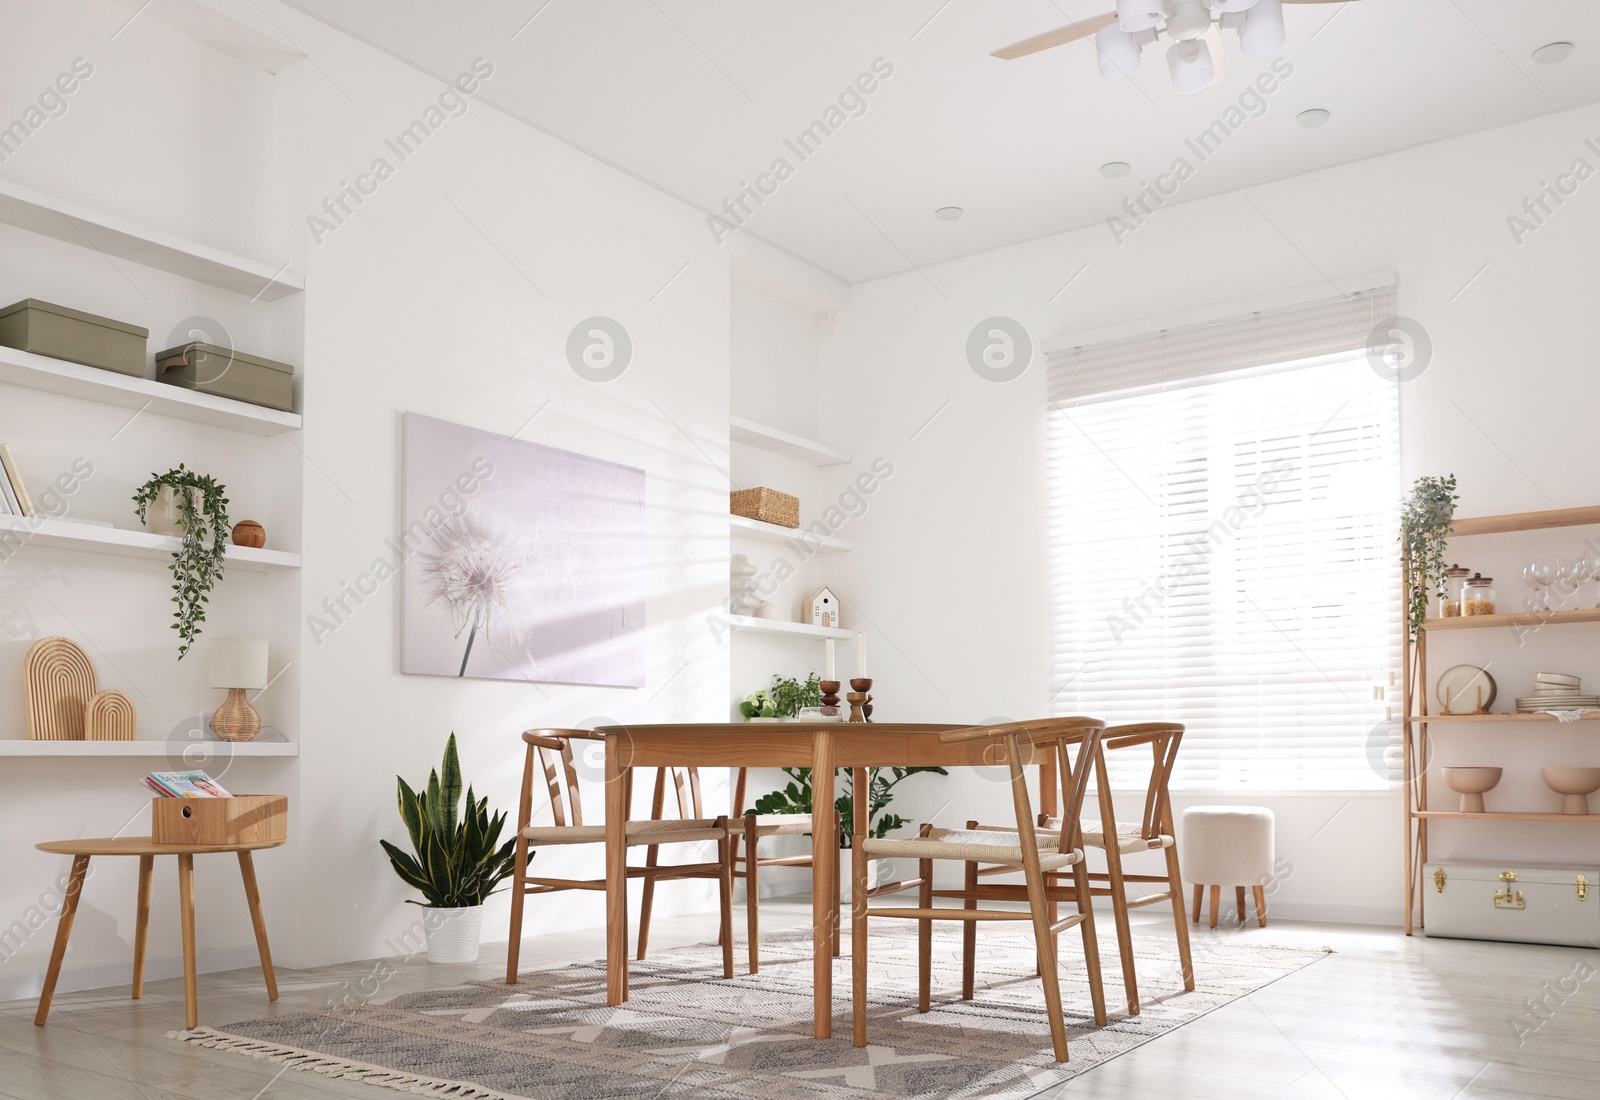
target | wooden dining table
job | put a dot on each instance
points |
(820, 746)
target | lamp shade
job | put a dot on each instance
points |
(1118, 53)
(1262, 31)
(1191, 66)
(238, 664)
(1140, 15)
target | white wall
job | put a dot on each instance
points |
(1502, 406)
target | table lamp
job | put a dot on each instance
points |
(237, 666)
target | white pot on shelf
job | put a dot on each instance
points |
(453, 934)
(163, 516)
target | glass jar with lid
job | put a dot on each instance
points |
(1455, 579)
(1477, 595)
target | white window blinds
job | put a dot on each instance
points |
(1222, 524)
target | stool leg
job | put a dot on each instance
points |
(1198, 892)
(1261, 907)
(69, 909)
(1238, 901)
(141, 922)
(191, 990)
(1216, 902)
(247, 870)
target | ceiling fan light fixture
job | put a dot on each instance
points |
(1261, 32)
(1115, 169)
(1117, 52)
(1553, 53)
(1191, 66)
(1140, 15)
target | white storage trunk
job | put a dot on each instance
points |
(1530, 903)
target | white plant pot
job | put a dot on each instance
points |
(453, 934)
(878, 871)
(163, 517)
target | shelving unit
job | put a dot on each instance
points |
(139, 748)
(76, 224)
(782, 626)
(743, 527)
(65, 535)
(1415, 697)
(40, 372)
(783, 443)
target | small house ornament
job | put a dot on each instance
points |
(822, 608)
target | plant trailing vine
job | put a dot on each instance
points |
(1425, 524)
(196, 564)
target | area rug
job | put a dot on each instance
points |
(686, 1032)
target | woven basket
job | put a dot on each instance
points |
(766, 505)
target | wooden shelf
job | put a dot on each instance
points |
(1526, 521)
(796, 447)
(770, 532)
(59, 534)
(753, 625)
(40, 372)
(1435, 719)
(142, 748)
(1447, 814)
(1525, 618)
(68, 221)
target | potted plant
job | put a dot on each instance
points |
(1425, 524)
(190, 505)
(783, 700)
(458, 860)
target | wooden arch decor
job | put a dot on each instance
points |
(110, 717)
(60, 681)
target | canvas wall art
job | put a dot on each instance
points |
(521, 561)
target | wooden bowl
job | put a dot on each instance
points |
(247, 532)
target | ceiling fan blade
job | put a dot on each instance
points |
(1058, 37)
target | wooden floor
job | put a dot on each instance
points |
(1385, 1017)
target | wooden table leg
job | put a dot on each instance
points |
(824, 873)
(247, 870)
(191, 990)
(616, 874)
(141, 922)
(69, 910)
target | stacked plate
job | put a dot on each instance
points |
(1556, 691)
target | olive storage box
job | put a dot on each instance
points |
(226, 373)
(62, 333)
(1530, 903)
(242, 819)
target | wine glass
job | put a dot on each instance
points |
(1571, 577)
(1541, 573)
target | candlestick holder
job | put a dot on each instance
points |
(860, 699)
(830, 698)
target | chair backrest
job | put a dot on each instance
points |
(550, 751)
(1023, 742)
(1163, 739)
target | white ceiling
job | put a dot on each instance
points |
(695, 97)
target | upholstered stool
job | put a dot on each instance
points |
(1228, 846)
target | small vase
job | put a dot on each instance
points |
(163, 517)
(453, 934)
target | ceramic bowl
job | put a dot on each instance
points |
(1574, 784)
(1470, 784)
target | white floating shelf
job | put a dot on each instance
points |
(797, 447)
(60, 534)
(142, 748)
(67, 221)
(40, 372)
(783, 626)
(744, 527)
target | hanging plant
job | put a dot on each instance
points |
(201, 506)
(1425, 524)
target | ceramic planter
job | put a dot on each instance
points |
(453, 934)
(163, 517)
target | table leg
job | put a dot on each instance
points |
(824, 872)
(247, 870)
(191, 990)
(616, 874)
(141, 922)
(69, 909)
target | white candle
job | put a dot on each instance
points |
(861, 655)
(828, 649)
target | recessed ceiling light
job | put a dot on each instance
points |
(1313, 118)
(949, 213)
(1115, 169)
(1553, 53)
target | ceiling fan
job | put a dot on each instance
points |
(1195, 58)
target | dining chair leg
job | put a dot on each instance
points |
(738, 815)
(969, 928)
(1119, 911)
(1180, 919)
(1261, 906)
(58, 952)
(858, 926)
(1216, 902)
(191, 989)
(1199, 893)
(1091, 942)
(1049, 971)
(833, 885)
(141, 922)
(725, 890)
(252, 894)
(652, 855)
(519, 892)
(925, 933)
(752, 892)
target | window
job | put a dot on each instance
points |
(1222, 521)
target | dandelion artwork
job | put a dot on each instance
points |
(521, 561)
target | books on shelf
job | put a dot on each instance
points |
(185, 785)
(14, 492)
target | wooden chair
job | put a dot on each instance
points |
(1054, 856)
(755, 828)
(549, 747)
